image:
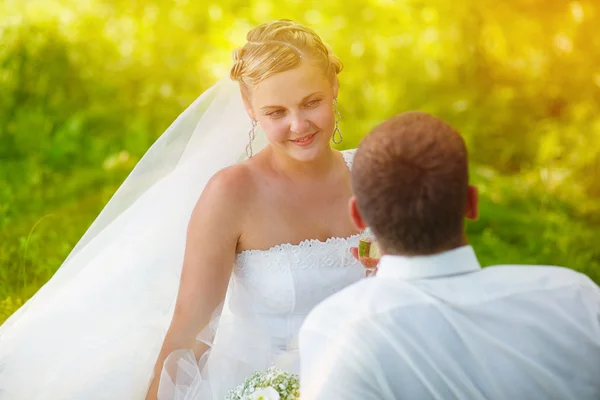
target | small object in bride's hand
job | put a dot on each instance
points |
(369, 254)
(270, 384)
(369, 248)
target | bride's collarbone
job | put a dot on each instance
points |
(291, 217)
(319, 202)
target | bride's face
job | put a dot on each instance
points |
(295, 109)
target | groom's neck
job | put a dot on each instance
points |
(450, 245)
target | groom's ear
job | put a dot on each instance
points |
(472, 211)
(355, 214)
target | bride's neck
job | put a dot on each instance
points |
(293, 168)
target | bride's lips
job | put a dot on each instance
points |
(305, 140)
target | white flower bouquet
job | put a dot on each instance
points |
(269, 384)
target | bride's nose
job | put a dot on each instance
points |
(299, 124)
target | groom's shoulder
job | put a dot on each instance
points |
(549, 281)
(539, 275)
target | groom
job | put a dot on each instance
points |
(432, 324)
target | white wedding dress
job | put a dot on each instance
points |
(270, 294)
(94, 331)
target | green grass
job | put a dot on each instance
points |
(517, 226)
(523, 224)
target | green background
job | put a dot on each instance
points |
(86, 86)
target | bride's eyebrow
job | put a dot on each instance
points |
(303, 100)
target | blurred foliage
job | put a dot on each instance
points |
(87, 85)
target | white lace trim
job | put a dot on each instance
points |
(305, 244)
(308, 254)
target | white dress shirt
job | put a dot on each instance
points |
(441, 327)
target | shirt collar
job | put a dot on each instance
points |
(457, 261)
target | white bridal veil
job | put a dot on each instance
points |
(100, 321)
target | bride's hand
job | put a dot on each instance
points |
(369, 263)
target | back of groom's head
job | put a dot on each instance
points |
(410, 181)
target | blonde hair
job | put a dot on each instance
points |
(280, 46)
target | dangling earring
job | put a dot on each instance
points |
(338, 118)
(251, 136)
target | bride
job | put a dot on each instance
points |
(202, 267)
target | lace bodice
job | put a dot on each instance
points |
(285, 282)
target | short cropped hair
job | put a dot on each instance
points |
(410, 180)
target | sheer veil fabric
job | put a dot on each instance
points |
(95, 329)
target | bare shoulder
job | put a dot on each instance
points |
(231, 184)
(226, 195)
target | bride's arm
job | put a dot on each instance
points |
(213, 233)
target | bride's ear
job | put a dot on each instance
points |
(336, 87)
(355, 214)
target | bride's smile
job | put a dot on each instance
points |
(305, 140)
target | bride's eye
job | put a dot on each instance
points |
(276, 113)
(313, 103)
